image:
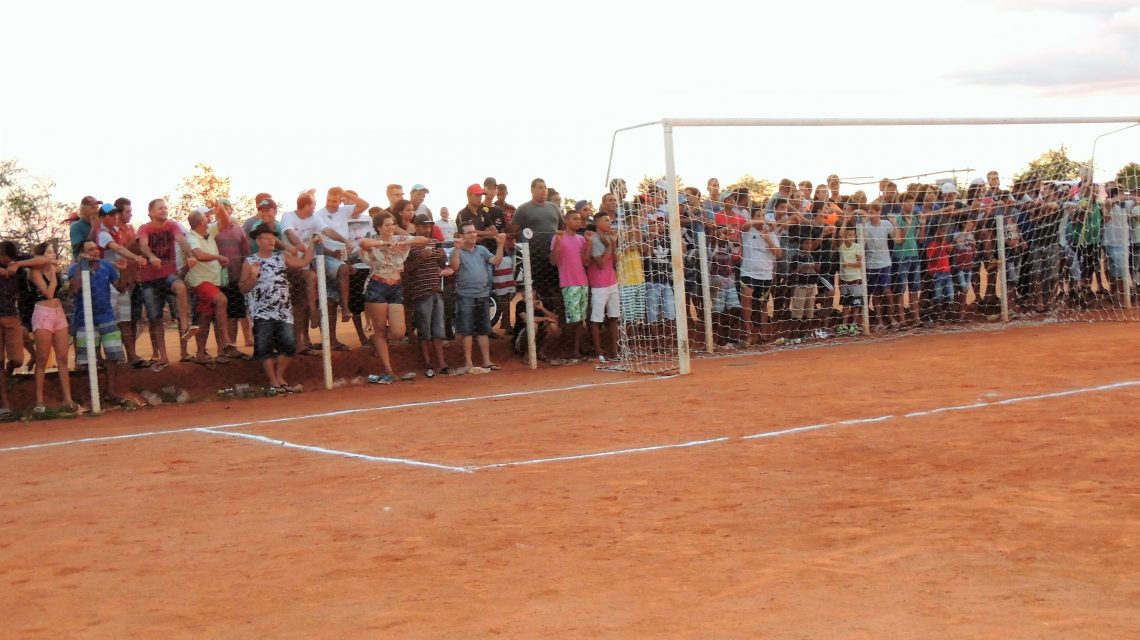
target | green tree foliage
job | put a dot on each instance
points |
(202, 189)
(1054, 164)
(1129, 176)
(28, 212)
(759, 190)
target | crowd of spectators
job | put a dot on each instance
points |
(912, 257)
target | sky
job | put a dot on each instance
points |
(124, 98)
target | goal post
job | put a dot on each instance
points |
(669, 201)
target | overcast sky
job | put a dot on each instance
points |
(116, 98)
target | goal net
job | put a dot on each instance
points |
(750, 235)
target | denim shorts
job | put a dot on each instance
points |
(156, 294)
(273, 338)
(472, 317)
(908, 275)
(429, 317)
(383, 293)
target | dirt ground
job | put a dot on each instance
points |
(1016, 520)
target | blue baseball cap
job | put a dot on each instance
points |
(108, 209)
(419, 187)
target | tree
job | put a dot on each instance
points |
(759, 189)
(1054, 164)
(201, 189)
(1128, 178)
(29, 214)
(648, 181)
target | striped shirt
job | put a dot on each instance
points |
(421, 272)
(503, 278)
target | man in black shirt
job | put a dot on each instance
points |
(488, 220)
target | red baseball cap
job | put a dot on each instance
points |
(476, 189)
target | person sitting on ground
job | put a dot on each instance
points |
(266, 288)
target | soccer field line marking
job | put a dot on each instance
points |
(815, 427)
(332, 452)
(329, 414)
(601, 454)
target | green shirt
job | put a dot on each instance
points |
(1089, 232)
(908, 248)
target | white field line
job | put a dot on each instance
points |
(814, 427)
(390, 407)
(333, 452)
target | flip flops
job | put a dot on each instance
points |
(159, 366)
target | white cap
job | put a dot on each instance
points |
(201, 210)
(977, 182)
(948, 187)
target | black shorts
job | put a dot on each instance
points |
(760, 288)
(235, 301)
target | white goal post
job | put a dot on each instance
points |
(674, 222)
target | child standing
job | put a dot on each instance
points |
(850, 282)
(964, 248)
(938, 250)
(605, 302)
(103, 275)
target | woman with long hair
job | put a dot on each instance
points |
(49, 325)
(383, 293)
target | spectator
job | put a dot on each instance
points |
(632, 250)
(542, 218)
(569, 252)
(545, 330)
(49, 325)
(488, 219)
(85, 227)
(723, 258)
(501, 199)
(103, 277)
(1116, 239)
(964, 249)
(760, 249)
(472, 264)
(266, 287)
(850, 282)
(384, 296)
(11, 331)
(660, 303)
(490, 189)
(877, 233)
(395, 193)
(803, 273)
(503, 289)
(419, 194)
(938, 252)
(446, 226)
(605, 301)
(234, 246)
(907, 264)
(205, 280)
(342, 218)
(423, 268)
(160, 285)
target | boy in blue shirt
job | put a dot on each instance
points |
(102, 275)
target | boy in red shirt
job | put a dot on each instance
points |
(938, 251)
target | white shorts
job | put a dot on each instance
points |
(605, 302)
(121, 303)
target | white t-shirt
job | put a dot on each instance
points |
(878, 251)
(447, 227)
(339, 221)
(305, 228)
(1116, 228)
(757, 260)
(423, 210)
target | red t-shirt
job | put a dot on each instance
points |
(938, 256)
(162, 239)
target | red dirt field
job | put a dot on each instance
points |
(1014, 520)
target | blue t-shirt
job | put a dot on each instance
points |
(102, 278)
(473, 278)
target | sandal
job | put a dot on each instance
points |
(492, 367)
(231, 351)
(142, 364)
(207, 362)
(159, 366)
(186, 358)
(340, 346)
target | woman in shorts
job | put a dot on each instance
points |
(49, 325)
(383, 293)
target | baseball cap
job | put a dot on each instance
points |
(225, 201)
(475, 189)
(201, 210)
(422, 218)
(108, 209)
(978, 182)
(266, 203)
(580, 205)
(419, 187)
(948, 187)
(90, 200)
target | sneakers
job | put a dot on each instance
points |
(429, 373)
(601, 359)
(822, 334)
(841, 330)
(387, 378)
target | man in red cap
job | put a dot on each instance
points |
(488, 219)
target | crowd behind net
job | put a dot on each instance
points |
(864, 232)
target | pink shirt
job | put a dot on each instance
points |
(162, 238)
(605, 275)
(571, 269)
